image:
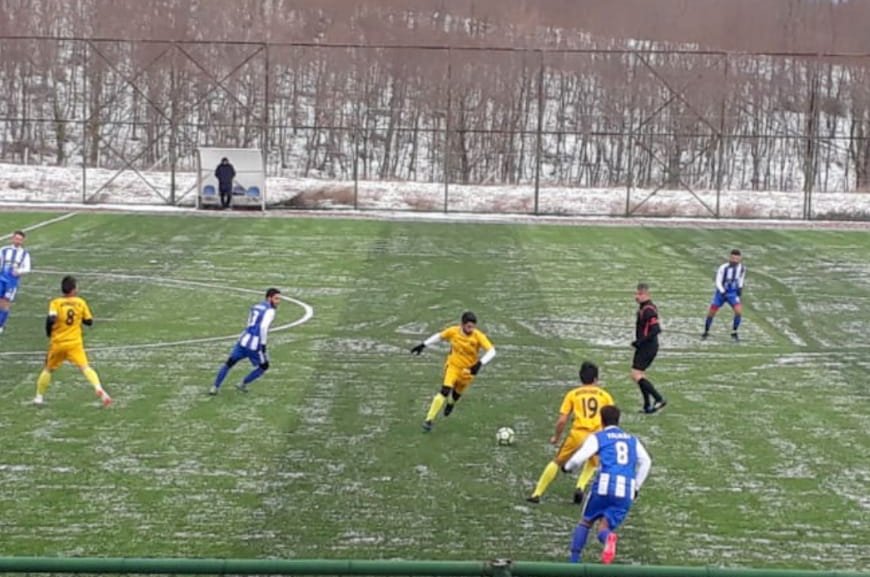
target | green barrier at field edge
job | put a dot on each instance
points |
(496, 568)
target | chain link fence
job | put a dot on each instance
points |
(627, 132)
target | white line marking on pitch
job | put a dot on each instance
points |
(41, 224)
(308, 313)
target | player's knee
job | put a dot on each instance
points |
(455, 395)
(231, 362)
(445, 391)
(264, 366)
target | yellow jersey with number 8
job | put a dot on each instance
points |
(68, 313)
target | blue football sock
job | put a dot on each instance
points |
(222, 374)
(602, 536)
(737, 319)
(3, 316)
(707, 324)
(578, 541)
(253, 375)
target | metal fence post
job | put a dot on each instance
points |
(85, 77)
(447, 130)
(355, 136)
(539, 144)
(721, 161)
(265, 138)
(173, 130)
(630, 176)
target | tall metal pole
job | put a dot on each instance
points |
(630, 176)
(355, 136)
(721, 160)
(265, 138)
(447, 131)
(85, 123)
(173, 128)
(539, 145)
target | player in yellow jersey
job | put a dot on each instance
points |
(462, 364)
(584, 404)
(66, 315)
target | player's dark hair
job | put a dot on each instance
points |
(67, 285)
(272, 292)
(19, 232)
(469, 317)
(736, 252)
(610, 415)
(643, 287)
(588, 373)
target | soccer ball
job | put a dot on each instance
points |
(505, 436)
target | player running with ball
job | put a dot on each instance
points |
(462, 364)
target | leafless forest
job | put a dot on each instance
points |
(709, 94)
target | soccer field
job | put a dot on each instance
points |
(762, 457)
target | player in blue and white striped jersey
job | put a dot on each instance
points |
(624, 466)
(14, 262)
(729, 288)
(252, 343)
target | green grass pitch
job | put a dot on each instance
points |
(761, 459)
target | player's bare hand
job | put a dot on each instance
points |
(554, 440)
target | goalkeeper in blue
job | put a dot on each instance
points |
(729, 288)
(252, 343)
(624, 466)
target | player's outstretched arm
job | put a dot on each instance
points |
(416, 350)
(587, 449)
(644, 464)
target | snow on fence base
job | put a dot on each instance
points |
(50, 184)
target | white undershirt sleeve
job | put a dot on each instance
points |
(644, 463)
(487, 356)
(436, 338)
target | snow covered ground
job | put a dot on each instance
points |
(50, 184)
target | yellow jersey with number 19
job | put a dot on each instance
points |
(586, 402)
(464, 348)
(68, 313)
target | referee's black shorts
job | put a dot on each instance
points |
(644, 356)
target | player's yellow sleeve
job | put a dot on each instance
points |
(86, 311)
(483, 340)
(567, 404)
(53, 307)
(608, 399)
(449, 333)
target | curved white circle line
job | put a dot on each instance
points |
(306, 316)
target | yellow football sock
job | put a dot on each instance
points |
(94, 379)
(550, 473)
(42, 382)
(437, 403)
(586, 475)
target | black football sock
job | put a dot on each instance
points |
(649, 389)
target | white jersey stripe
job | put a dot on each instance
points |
(603, 482)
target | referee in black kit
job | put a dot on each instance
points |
(646, 345)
